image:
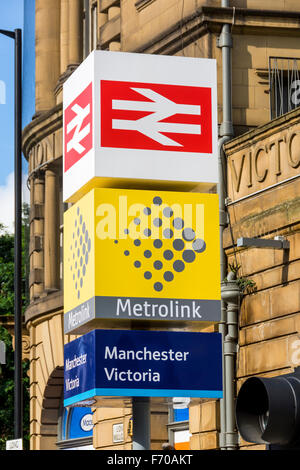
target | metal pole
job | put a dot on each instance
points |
(18, 387)
(141, 423)
(18, 410)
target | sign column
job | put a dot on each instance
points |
(141, 240)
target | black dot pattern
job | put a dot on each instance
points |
(171, 253)
(157, 264)
(157, 243)
(79, 252)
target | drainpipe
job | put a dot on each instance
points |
(226, 133)
(223, 270)
(230, 294)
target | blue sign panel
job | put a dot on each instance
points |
(127, 363)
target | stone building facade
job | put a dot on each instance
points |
(262, 165)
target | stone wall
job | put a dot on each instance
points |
(265, 205)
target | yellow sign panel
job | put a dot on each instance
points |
(137, 254)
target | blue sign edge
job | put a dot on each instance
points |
(133, 392)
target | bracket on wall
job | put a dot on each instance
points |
(278, 243)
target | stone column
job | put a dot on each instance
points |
(75, 31)
(64, 35)
(37, 232)
(47, 45)
(31, 234)
(51, 239)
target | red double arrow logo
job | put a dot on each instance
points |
(156, 116)
(78, 127)
(145, 116)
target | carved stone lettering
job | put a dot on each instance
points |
(293, 154)
(275, 158)
(40, 156)
(237, 176)
(276, 143)
(260, 176)
(249, 166)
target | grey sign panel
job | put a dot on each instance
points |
(140, 308)
(2, 353)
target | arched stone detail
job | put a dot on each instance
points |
(46, 379)
(50, 412)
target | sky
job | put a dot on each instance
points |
(14, 14)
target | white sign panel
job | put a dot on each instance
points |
(139, 118)
(14, 444)
(118, 432)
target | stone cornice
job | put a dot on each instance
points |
(211, 19)
(255, 135)
(42, 126)
(64, 77)
(45, 305)
(8, 321)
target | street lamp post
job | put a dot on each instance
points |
(18, 386)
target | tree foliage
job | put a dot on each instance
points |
(7, 308)
(7, 394)
(6, 272)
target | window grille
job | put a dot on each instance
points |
(284, 80)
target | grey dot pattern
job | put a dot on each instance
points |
(168, 276)
(157, 264)
(157, 243)
(157, 222)
(168, 233)
(157, 201)
(80, 248)
(188, 256)
(178, 244)
(173, 260)
(168, 212)
(178, 266)
(178, 223)
(158, 286)
(188, 234)
(199, 245)
(168, 254)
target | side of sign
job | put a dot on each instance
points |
(165, 246)
(128, 363)
(151, 117)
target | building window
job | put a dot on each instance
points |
(90, 26)
(94, 26)
(178, 427)
(76, 429)
(284, 79)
